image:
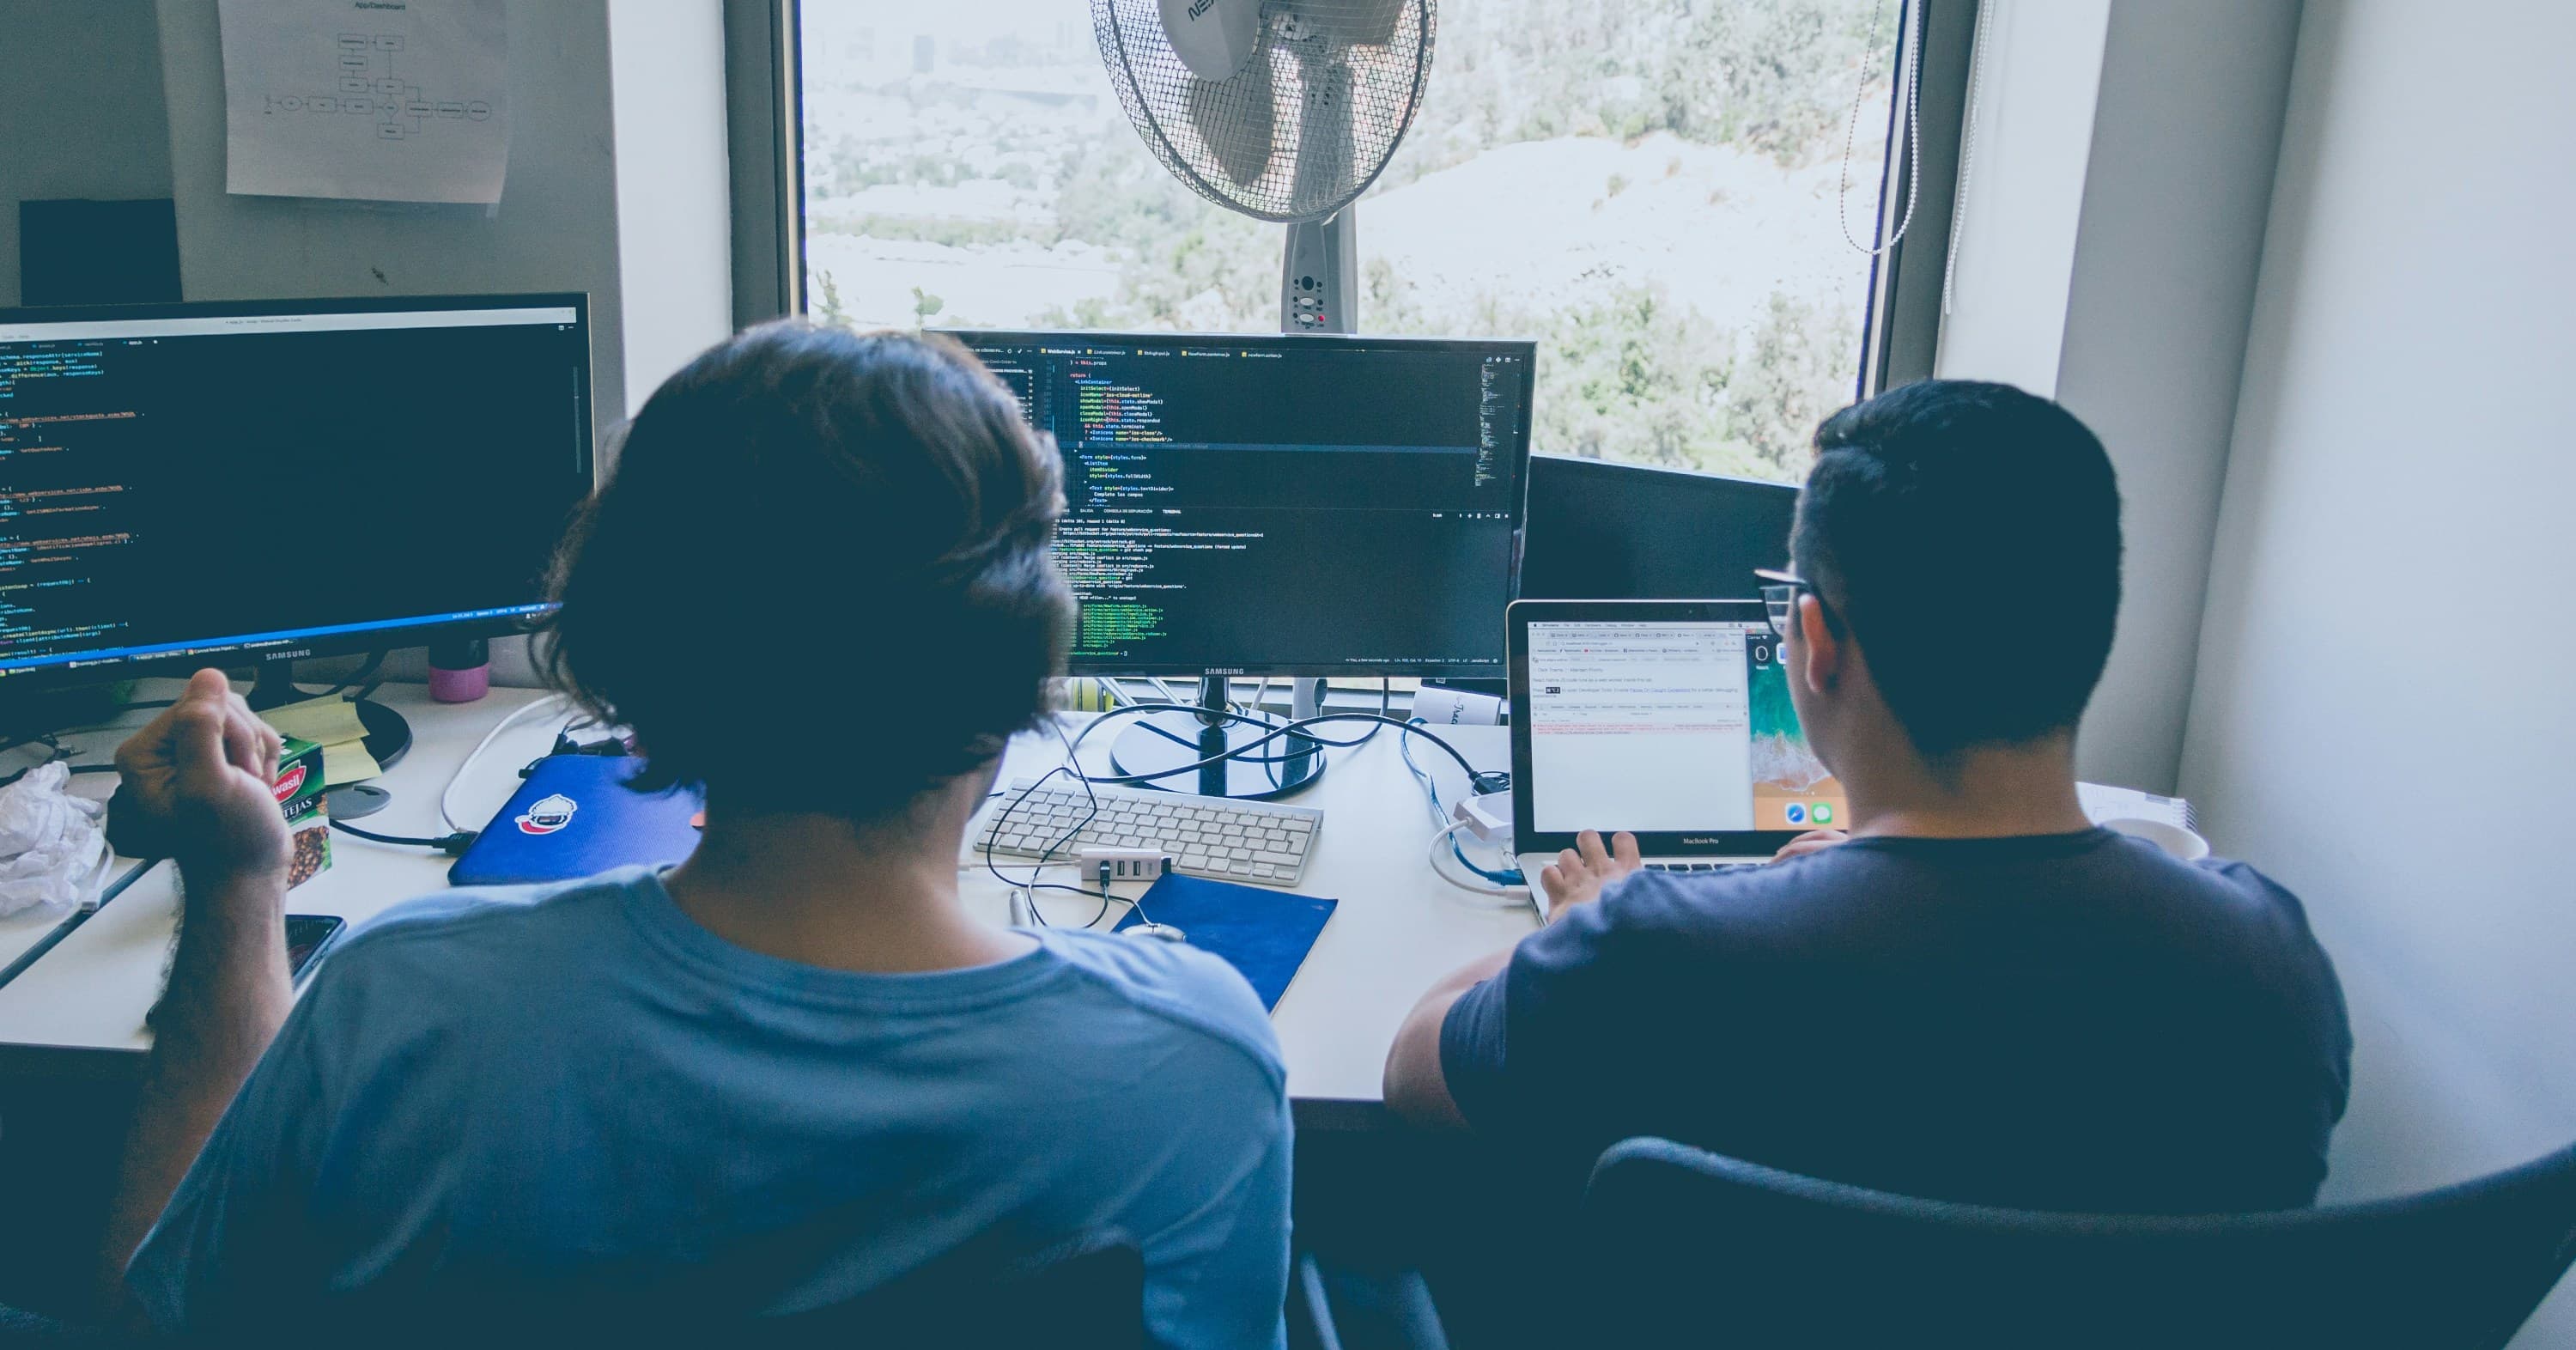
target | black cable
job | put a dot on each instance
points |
(1275, 732)
(375, 661)
(1072, 767)
(451, 845)
(77, 768)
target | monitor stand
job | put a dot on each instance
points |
(1169, 739)
(388, 736)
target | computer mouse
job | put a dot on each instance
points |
(1151, 929)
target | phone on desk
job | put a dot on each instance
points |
(307, 935)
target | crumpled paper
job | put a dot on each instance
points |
(53, 848)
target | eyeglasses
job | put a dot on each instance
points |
(1780, 600)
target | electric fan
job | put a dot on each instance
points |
(1284, 110)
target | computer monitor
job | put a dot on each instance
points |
(231, 484)
(1604, 531)
(1281, 504)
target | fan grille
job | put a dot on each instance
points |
(1245, 143)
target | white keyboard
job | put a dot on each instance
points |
(1206, 836)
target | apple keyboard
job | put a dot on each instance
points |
(1215, 837)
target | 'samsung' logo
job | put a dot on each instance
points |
(549, 814)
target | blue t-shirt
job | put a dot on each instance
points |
(577, 1090)
(2066, 1022)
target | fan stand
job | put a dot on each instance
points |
(1318, 288)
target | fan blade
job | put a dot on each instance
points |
(1325, 170)
(1237, 120)
(1214, 38)
(1348, 23)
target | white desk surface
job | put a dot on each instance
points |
(1397, 929)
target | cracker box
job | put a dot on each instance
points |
(299, 794)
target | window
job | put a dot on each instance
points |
(1655, 189)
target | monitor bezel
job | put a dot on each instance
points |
(1526, 836)
(1526, 348)
(228, 651)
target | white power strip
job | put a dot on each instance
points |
(1488, 817)
(1125, 864)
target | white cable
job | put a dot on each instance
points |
(1439, 844)
(446, 811)
(1913, 125)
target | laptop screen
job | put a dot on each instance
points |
(1667, 726)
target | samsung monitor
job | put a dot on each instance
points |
(1281, 504)
(234, 484)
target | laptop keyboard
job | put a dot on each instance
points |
(1701, 867)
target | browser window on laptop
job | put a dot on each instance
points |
(1670, 720)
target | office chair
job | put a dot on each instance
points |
(1688, 1247)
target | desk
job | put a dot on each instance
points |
(1399, 927)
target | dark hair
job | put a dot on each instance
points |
(1969, 533)
(866, 516)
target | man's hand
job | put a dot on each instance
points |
(196, 787)
(1813, 841)
(1579, 873)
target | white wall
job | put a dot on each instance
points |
(674, 196)
(555, 228)
(2186, 130)
(80, 110)
(2383, 712)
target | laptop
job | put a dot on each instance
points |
(575, 817)
(1669, 719)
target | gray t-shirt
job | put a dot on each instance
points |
(575, 1096)
(2066, 1022)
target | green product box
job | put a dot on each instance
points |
(299, 794)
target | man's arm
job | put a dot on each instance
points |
(196, 785)
(1416, 1087)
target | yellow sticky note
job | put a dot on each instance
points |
(347, 762)
(325, 721)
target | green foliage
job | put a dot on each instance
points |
(1799, 365)
(828, 306)
(925, 229)
(1773, 76)
(1627, 369)
(1186, 263)
(1629, 374)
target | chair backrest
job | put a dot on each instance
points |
(1687, 1247)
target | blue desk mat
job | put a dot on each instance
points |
(1263, 933)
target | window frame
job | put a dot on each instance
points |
(1901, 329)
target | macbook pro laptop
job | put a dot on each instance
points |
(1669, 719)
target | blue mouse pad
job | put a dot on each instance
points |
(575, 817)
(1263, 933)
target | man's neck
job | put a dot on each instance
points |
(1989, 793)
(816, 890)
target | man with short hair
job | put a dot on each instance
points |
(782, 1091)
(1976, 995)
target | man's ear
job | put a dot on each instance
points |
(1825, 651)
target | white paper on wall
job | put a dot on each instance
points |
(375, 100)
